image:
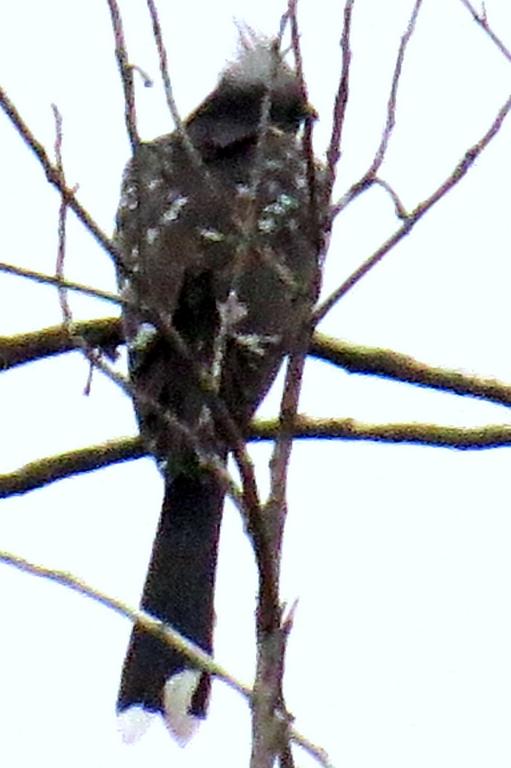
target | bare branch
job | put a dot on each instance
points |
(42, 472)
(144, 620)
(106, 333)
(39, 473)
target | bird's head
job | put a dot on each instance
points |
(259, 76)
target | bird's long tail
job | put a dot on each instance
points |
(179, 589)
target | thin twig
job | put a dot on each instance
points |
(126, 73)
(53, 176)
(482, 20)
(284, 441)
(239, 449)
(169, 95)
(142, 619)
(341, 101)
(71, 285)
(391, 104)
(240, 453)
(173, 423)
(269, 732)
(292, 386)
(61, 229)
(276, 508)
(279, 463)
(315, 205)
(418, 212)
(399, 208)
(369, 178)
(67, 317)
(147, 81)
(164, 68)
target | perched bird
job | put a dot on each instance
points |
(218, 242)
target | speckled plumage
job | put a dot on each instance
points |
(221, 243)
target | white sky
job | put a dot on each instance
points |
(398, 555)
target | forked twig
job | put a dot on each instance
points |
(482, 20)
(418, 212)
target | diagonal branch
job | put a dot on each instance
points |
(44, 279)
(165, 632)
(159, 629)
(54, 177)
(461, 168)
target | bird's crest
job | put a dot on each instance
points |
(259, 61)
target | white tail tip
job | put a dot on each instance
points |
(133, 722)
(177, 699)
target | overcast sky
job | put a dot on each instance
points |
(398, 555)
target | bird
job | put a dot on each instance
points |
(218, 271)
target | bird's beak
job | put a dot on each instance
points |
(310, 113)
